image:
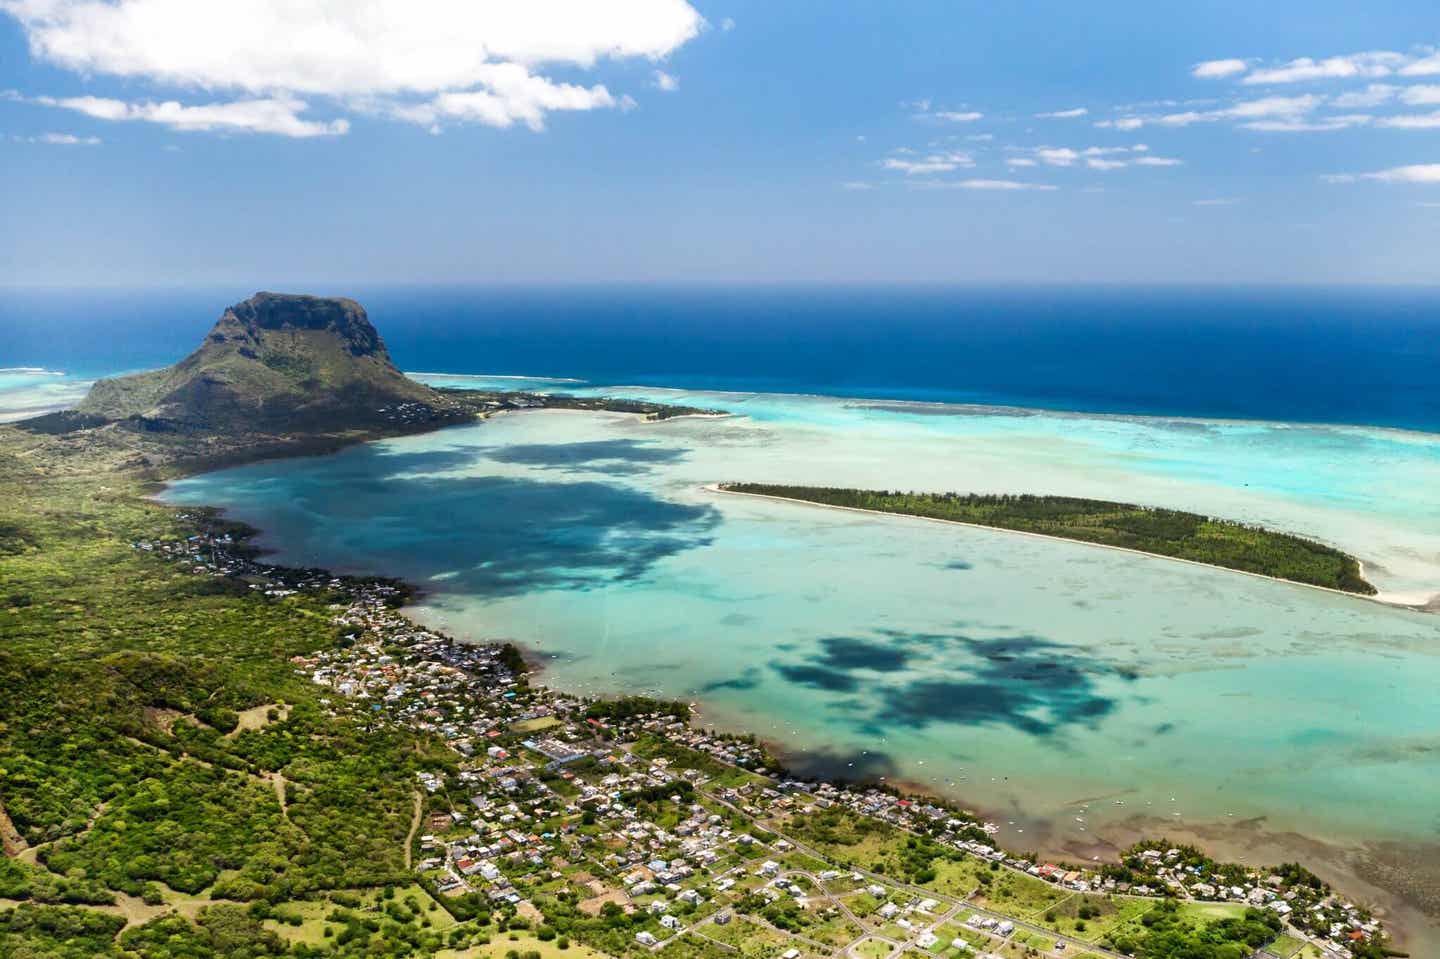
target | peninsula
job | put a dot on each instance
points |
(203, 754)
(1142, 529)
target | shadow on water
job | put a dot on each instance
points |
(488, 536)
(1024, 682)
(617, 457)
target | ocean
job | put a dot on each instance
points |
(1356, 356)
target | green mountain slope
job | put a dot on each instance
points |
(274, 361)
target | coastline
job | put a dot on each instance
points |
(1214, 843)
(1425, 606)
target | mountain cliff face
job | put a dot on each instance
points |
(275, 362)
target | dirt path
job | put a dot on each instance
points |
(414, 828)
(277, 779)
(10, 839)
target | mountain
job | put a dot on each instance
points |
(273, 363)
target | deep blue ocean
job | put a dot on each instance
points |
(1365, 356)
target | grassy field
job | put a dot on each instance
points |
(522, 943)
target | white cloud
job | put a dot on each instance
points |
(1421, 95)
(1371, 64)
(1094, 157)
(1057, 156)
(1123, 123)
(1379, 63)
(727, 24)
(1005, 185)
(913, 165)
(665, 81)
(61, 139)
(1427, 66)
(1271, 107)
(1063, 114)
(397, 57)
(280, 115)
(856, 185)
(980, 137)
(1414, 173)
(1422, 121)
(1158, 161)
(952, 116)
(1372, 96)
(1316, 125)
(1214, 69)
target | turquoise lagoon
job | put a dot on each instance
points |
(27, 391)
(1076, 694)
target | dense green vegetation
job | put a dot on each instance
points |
(628, 707)
(122, 675)
(1164, 532)
(1165, 933)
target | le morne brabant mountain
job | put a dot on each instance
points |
(274, 362)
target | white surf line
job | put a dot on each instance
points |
(1379, 597)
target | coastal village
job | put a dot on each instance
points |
(624, 823)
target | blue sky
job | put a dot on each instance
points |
(180, 142)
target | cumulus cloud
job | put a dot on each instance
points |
(271, 115)
(1379, 63)
(1063, 114)
(1423, 173)
(61, 139)
(1057, 156)
(1004, 185)
(1214, 69)
(1158, 161)
(1121, 123)
(415, 59)
(916, 165)
(665, 81)
(1421, 95)
(1096, 158)
(1372, 96)
(1370, 64)
(954, 116)
(1422, 121)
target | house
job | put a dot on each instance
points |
(645, 939)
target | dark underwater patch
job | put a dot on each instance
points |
(1024, 682)
(619, 457)
(845, 766)
(817, 677)
(847, 652)
(749, 679)
(488, 535)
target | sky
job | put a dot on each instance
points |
(276, 144)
